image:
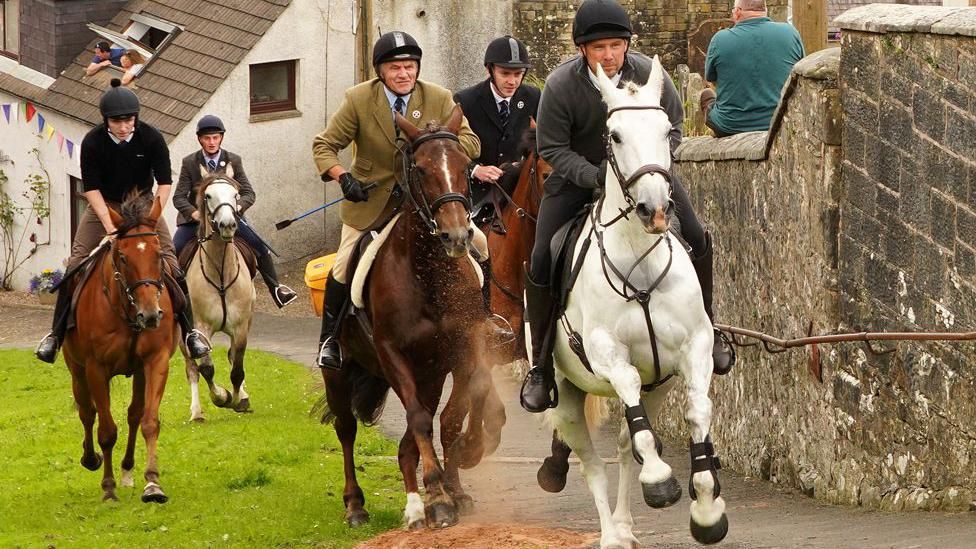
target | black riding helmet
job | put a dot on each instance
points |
(210, 124)
(599, 19)
(507, 52)
(396, 46)
(118, 101)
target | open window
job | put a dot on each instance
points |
(144, 33)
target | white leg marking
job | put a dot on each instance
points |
(414, 511)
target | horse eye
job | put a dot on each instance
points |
(615, 136)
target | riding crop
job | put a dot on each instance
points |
(282, 224)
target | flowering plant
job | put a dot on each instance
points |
(45, 280)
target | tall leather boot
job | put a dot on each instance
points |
(281, 295)
(47, 349)
(539, 391)
(196, 342)
(723, 354)
(336, 296)
(501, 330)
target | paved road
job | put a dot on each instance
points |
(504, 487)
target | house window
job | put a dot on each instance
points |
(273, 87)
(144, 33)
(78, 203)
(10, 28)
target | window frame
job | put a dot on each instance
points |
(15, 55)
(289, 104)
(76, 192)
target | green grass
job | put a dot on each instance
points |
(268, 479)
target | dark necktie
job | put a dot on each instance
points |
(503, 111)
(212, 164)
(398, 106)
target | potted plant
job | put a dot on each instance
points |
(41, 284)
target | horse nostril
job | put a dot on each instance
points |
(445, 237)
(643, 211)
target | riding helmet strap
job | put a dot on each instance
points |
(636, 422)
(703, 459)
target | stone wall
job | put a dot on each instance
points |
(53, 31)
(854, 213)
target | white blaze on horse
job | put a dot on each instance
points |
(221, 291)
(638, 307)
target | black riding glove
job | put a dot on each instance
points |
(352, 188)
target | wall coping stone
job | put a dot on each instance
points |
(883, 18)
(821, 65)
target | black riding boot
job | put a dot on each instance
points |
(196, 342)
(336, 296)
(501, 330)
(539, 388)
(723, 354)
(47, 349)
(281, 295)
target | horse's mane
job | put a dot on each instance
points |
(206, 181)
(135, 211)
(529, 143)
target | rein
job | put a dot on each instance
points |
(221, 287)
(426, 210)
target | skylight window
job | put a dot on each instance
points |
(145, 33)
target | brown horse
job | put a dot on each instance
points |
(125, 326)
(511, 250)
(424, 302)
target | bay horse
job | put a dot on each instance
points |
(423, 299)
(637, 317)
(125, 326)
(511, 250)
(221, 291)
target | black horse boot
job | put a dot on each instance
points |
(281, 295)
(539, 391)
(501, 330)
(196, 342)
(336, 296)
(47, 349)
(723, 354)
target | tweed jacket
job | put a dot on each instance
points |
(185, 196)
(365, 121)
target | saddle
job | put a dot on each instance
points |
(563, 273)
(247, 252)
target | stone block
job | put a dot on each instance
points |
(913, 202)
(860, 110)
(853, 148)
(881, 280)
(896, 87)
(861, 68)
(943, 223)
(833, 117)
(961, 133)
(861, 190)
(883, 162)
(930, 267)
(966, 224)
(965, 261)
(929, 114)
(896, 125)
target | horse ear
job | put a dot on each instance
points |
(607, 88)
(454, 121)
(406, 127)
(655, 82)
(230, 170)
(115, 217)
(203, 171)
(155, 212)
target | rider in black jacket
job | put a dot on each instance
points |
(571, 137)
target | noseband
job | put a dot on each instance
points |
(424, 209)
(126, 288)
(627, 182)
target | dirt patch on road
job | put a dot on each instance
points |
(481, 536)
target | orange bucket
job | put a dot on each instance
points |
(316, 271)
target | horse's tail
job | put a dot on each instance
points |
(596, 410)
(366, 392)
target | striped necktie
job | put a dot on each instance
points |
(212, 164)
(503, 111)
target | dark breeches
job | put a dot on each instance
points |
(188, 231)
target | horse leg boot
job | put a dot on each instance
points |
(47, 349)
(539, 391)
(501, 331)
(196, 342)
(723, 354)
(336, 297)
(281, 295)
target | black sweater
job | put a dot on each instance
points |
(116, 169)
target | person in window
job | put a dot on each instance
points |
(212, 157)
(105, 55)
(132, 62)
(365, 119)
(748, 64)
(121, 155)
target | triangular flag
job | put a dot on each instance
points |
(49, 132)
(71, 148)
(6, 112)
(60, 141)
(29, 111)
(22, 108)
(40, 123)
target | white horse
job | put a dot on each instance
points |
(221, 291)
(637, 280)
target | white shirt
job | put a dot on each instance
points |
(391, 97)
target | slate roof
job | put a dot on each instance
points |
(181, 77)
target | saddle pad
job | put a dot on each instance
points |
(248, 253)
(78, 283)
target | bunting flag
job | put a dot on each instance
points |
(49, 132)
(6, 112)
(45, 129)
(71, 147)
(40, 123)
(60, 140)
(22, 109)
(29, 111)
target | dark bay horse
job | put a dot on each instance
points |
(424, 301)
(125, 326)
(511, 250)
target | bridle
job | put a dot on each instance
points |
(627, 182)
(126, 288)
(221, 287)
(427, 210)
(213, 214)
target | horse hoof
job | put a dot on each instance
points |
(357, 518)
(243, 407)
(154, 494)
(110, 496)
(552, 475)
(441, 515)
(464, 502)
(416, 525)
(198, 419)
(471, 453)
(221, 399)
(662, 494)
(92, 462)
(708, 535)
(127, 481)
